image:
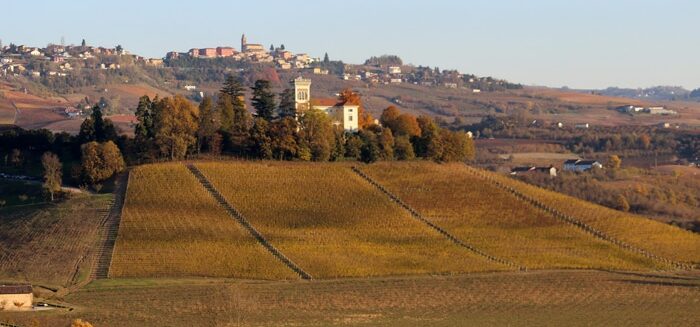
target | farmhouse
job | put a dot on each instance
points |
(581, 165)
(526, 170)
(16, 297)
(342, 114)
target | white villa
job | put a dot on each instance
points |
(342, 114)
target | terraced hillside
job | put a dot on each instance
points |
(334, 224)
(171, 227)
(493, 220)
(663, 240)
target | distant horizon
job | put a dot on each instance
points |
(583, 45)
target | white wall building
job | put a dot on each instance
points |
(343, 115)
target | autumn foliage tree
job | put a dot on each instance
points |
(100, 161)
(177, 121)
(52, 173)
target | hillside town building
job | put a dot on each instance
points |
(342, 114)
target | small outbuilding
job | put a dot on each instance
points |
(16, 297)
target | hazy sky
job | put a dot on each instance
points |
(575, 43)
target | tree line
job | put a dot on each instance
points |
(173, 128)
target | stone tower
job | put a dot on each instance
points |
(302, 94)
(244, 42)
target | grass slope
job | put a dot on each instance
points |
(547, 298)
(171, 226)
(334, 224)
(496, 222)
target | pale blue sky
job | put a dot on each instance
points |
(577, 43)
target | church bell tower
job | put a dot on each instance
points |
(302, 94)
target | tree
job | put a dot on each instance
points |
(370, 150)
(287, 106)
(83, 43)
(52, 173)
(386, 143)
(282, 46)
(614, 162)
(144, 113)
(317, 134)
(16, 157)
(621, 203)
(96, 128)
(403, 149)
(209, 123)
(100, 161)
(80, 323)
(389, 117)
(338, 152)
(326, 59)
(353, 146)
(177, 121)
(119, 48)
(225, 108)
(260, 140)
(429, 131)
(406, 124)
(284, 138)
(272, 48)
(263, 99)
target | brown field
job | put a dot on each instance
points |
(332, 223)
(546, 298)
(7, 111)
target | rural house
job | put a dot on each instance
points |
(581, 165)
(16, 297)
(342, 114)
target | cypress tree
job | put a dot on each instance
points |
(263, 99)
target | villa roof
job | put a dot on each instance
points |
(15, 289)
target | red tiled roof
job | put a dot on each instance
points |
(324, 102)
(15, 289)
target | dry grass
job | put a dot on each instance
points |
(661, 239)
(172, 227)
(552, 298)
(47, 244)
(332, 223)
(497, 222)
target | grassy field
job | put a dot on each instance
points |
(334, 224)
(494, 221)
(47, 244)
(546, 298)
(172, 227)
(661, 239)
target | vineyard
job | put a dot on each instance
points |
(172, 227)
(541, 298)
(663, 240)
(496, 222)
(52, 245)
(334, 224)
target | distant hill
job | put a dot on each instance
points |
(672, 93)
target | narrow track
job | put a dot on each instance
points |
(109, 230)
(235, 214)
(575, 222)
(415, 214)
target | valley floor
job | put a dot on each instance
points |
(542, 298)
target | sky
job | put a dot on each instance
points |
(574, 43)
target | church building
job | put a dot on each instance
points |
(342, 114)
